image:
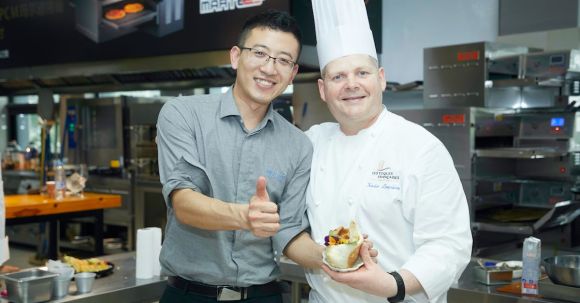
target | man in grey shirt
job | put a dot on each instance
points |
(234, 175)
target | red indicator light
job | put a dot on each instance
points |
(468, 56)
(458, 119)
(562, 170)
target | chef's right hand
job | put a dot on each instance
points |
(263, 217)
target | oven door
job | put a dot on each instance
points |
(150, 209)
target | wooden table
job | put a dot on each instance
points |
(21, 209)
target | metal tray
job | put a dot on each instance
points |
(28, 286)
(561, 214)
(564, 270)
(492, 276)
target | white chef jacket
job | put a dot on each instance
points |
(399, 183)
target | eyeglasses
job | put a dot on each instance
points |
(262, 57)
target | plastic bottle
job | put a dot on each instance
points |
(59, 180)
(531, 255)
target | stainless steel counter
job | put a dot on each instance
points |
(122, 286)
(467, 289)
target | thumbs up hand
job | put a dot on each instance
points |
(263, 217)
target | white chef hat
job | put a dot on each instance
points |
(342, 29)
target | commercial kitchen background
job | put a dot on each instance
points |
(97, 97)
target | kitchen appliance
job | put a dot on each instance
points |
(94, 134)
(158, 17)
(150, 208)
(107, 131)
(493, 75)
(456, 75)
(517, 168)
(142, 131)
(509, 119)
(149, 204)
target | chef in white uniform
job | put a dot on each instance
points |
(390, 175)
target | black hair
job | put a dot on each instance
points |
(275, 20)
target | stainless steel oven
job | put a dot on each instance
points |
(150, 209)
(517, 167)
(103, 20)
(94, 132)
(100, 132)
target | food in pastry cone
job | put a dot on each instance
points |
(344, 252)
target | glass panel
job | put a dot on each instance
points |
(28, 133)
(33, 99)
(3, 124)
(28, 127)
(143, 93)
(103, 126)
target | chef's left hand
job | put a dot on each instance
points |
(373, 252)
(369, 278)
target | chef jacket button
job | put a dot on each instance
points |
(350, 201)
(372, 135)
(316, 202)
(322, 169)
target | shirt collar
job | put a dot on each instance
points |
(229, 108)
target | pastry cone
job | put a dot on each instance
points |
(345, 255)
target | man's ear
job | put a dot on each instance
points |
(294, 72)
(382, 78)
(235, 54)
(321, 89)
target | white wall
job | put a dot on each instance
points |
(411, 25)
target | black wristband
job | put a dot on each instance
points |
(400, 296)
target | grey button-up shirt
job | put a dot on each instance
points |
(203, 145)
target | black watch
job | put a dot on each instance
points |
(400, 296)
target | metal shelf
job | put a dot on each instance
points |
(520, 153)
(131, 20)
(506, 228)
(517, 180)
(561, 214)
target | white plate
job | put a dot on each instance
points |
(359, 262)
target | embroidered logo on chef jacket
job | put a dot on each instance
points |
(384, 178)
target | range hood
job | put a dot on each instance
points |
(183, 71)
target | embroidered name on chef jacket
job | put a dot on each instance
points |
(385, 178)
